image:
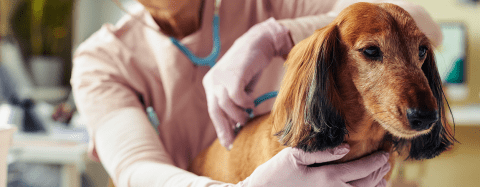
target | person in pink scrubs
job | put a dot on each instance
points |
(139, 63)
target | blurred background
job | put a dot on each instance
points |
(49, 148)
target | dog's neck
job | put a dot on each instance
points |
(365, 135)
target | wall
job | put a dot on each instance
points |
(90, 15)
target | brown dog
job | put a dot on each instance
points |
(369, 79)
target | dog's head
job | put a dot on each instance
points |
(371, 62)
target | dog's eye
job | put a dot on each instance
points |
(422, 51)
(372, 52)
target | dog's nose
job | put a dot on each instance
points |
(421, 119)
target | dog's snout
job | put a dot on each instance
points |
(421, 119)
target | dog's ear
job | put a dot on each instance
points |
(440, 138)
(303, 109)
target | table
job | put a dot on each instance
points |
(50, 149)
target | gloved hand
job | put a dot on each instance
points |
(290, 168)
(423, 20)
(229, 82)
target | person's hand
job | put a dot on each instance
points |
(228, 84)
(290, 168)
(423, 20)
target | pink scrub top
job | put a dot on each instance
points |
(122, 62)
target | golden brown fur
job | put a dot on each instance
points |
(334, 92)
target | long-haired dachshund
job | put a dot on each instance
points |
(368, 79)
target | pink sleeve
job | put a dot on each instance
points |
(133, 155)
(303, 17)
(121, 135)
(98, 88)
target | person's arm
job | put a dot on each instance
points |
(133, 155)
(303, 17)
(121, 135)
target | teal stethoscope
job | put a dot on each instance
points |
(210, 61)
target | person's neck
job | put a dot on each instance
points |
(183, 23)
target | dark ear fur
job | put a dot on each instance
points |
(440, 138)
(312, 123)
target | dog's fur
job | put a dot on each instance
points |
(333, 92)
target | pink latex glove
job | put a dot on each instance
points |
(289, 168)
(229, 82)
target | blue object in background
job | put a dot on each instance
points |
(451, 54)
(456, 74)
